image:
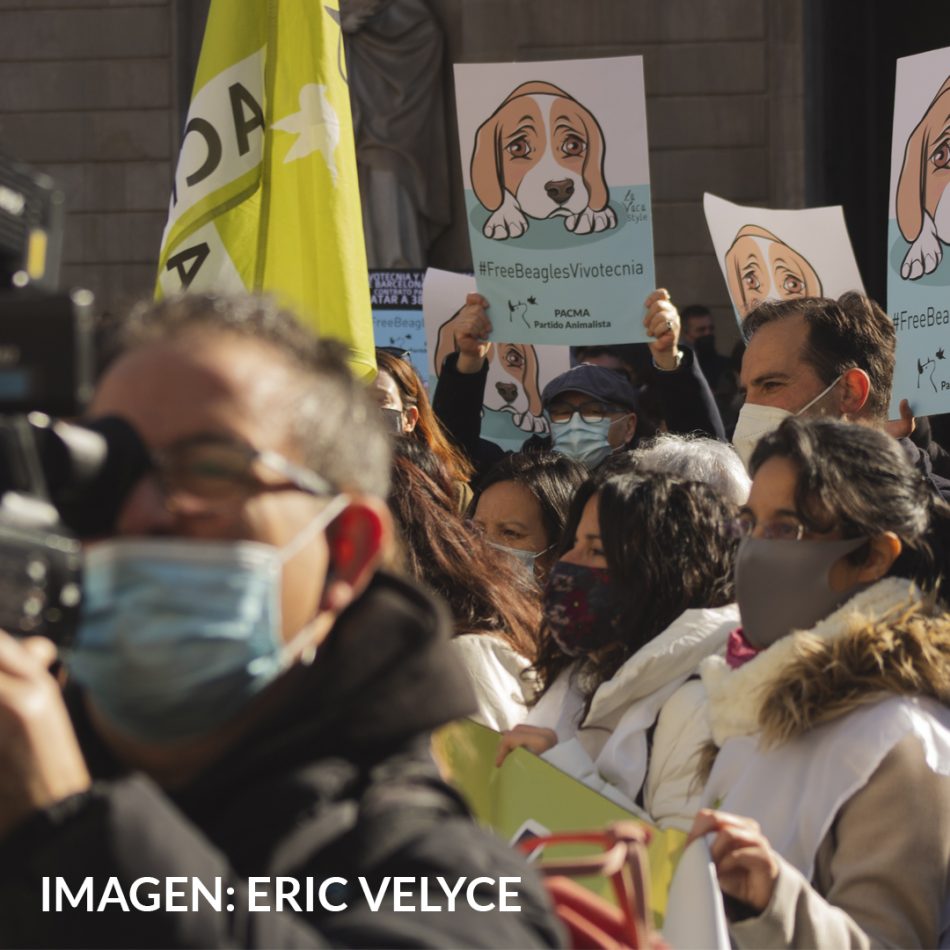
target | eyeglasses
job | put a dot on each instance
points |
(590, 411)
(210, 475)
(788, 528)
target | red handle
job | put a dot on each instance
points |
(624, 861)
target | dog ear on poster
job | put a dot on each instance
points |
(593, 172)
(486, 169)
(911, 199)
(532, 383)
(445, 342)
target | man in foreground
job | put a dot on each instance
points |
(249, 697)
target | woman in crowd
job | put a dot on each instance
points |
(640, 595)
(405, 404)
(829, 714)
(495, 608)
(696, 459)
(522, 504)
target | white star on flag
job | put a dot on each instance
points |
(316, 126)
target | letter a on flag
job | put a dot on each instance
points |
(265, 196)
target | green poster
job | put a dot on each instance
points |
(528, 789)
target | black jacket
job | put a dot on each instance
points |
(687, 402)
(339, 784)
(923, 462)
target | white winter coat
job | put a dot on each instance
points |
(495, 671)
(610, 752)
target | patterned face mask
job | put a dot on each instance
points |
(577, 607)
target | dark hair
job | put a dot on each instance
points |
(428, 429)
(668, 547)
(338, 430)
(484, 592)
(552, 478)
(626, 353)
(584, 353)
(847, 333)
(858, 479)
(694, 310)
(420, 455)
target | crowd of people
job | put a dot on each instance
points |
(737, 629)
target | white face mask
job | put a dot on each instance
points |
(756, 421)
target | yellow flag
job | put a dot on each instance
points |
(265, 195)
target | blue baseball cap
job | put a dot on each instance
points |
(598, 382)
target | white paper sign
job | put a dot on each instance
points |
(517, 372)
(780, 255)
(695, 916)
(557, 197)
(918, 272)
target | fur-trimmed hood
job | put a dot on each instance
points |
(886, 640)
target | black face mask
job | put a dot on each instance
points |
(392, 420)
(705, 345)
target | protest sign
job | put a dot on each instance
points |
(695, 915)
(918, 278)
(517, 372)
(780, 255)
(397, 314)
(510, 800)
(557, 197)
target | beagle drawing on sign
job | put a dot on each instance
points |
(761, 266)
(513, 383)
(541, 155)
(923, 208)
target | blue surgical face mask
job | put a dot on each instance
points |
(524, 559)
(176, 636)
(581, 440)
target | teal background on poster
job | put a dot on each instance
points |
(499, 427)
(920, 310)
(403, 328)
(568, 300)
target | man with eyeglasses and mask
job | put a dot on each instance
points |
(826, 358)
(248, 696)
(592, 412)
(667, 376)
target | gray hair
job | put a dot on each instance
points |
(696, 459)
(338, 430)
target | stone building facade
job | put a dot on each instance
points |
(92, 92)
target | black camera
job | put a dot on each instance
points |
(59, 482)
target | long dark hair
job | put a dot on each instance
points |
(859, 480)
(668, 546)
(484, 592)
(428, 429)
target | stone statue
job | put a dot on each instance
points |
(394, 64)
